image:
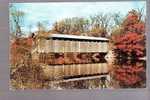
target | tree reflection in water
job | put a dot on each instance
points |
(130, 73)
(123, 74)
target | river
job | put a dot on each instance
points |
(122, 73)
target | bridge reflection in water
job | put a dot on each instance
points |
(78, 76)
(98, 75)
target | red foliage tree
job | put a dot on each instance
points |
(19, 48)
(129, 75)
(132, 40)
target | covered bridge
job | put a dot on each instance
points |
(61, 43)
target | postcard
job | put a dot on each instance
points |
(77, 45)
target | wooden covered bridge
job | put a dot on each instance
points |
(60, 43)
(68, 49)
(71, 56)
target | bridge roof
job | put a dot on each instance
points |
(75, 37)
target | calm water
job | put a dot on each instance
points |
(119, 74)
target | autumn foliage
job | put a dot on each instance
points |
(129, 43)
(132, 39)
(130, 75)
(19, 49)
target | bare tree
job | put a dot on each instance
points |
(30, 27)
(140, 12)
(117, 18)
(72, 25)
(17, 17)
(101, 22)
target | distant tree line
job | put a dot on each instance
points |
(96, 25)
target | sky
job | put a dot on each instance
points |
(49, 13)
